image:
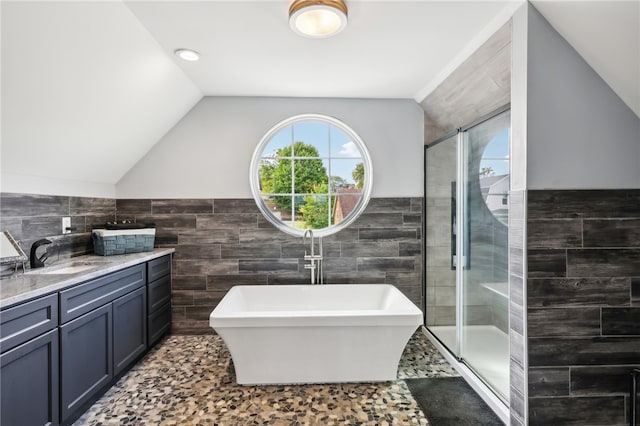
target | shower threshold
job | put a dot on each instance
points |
(487, 350)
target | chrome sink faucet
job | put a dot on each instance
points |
(315, 260)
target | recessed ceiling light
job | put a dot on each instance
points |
(318, 18)
(187, 54)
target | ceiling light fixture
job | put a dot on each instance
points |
(187, 54)
(318, 18)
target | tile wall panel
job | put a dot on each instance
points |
(583, 297)
(221, 243)
(30, 217)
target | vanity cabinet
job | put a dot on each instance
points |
(60, 352)
(159, 297)
(29, 363)
(105, 332)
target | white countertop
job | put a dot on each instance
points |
(22, 287)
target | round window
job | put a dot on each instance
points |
(311, 171)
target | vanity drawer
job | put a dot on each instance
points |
(27, 320)
(159, 267)
(159, 323)
(81, 299)
(159, 293)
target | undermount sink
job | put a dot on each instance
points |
(67, 268)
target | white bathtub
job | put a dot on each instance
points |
(315, 333)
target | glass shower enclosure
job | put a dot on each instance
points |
(466, 247)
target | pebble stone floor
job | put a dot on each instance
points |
(189, 380)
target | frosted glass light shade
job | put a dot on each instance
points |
(319, 18)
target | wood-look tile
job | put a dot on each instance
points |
(387, 234)
(85, 206)
(517, 406)
(297, 249)
(225, 282)
(41, 227)
(182, 206)
(15, 204)
(577, 411)
(379, 220)
(404, 278)
(554, 233)
(209, 236)
(635, 291)
(13, 225)
(243, 205)
(265, 236)
(271, 266)
(227, 221)
(369, 249)
(199, 313)
(354, 277)
(388, 205)
(182, 297)
(133, 206)
(417, 205)
(166, 237)
(339, 264)
(621, 321)
(290, 278)
(188, 282)
(412, 219)
(205, 267)
(207, 298)
(553, 322)
(600, 380)
(546, 263)
(94, 221)
(250, 251)
(583, 351)
(584, 203)
(612, 232)
(386, 264)
(603, 262)
(191, 327)
(553, 381)
(410, 248)
(576, 292)
(169, 221)
(197, 251)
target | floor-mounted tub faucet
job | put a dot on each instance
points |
(315, 260)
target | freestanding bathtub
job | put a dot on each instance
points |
(285, 334)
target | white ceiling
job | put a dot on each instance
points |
(389, 49)
(98, 81)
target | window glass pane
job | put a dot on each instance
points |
(347, 173)
(315, 212)
(342, 144)
(492, 168)
(280, 140)
(279, 206)
(311, 177)
(345, 202)
(314, 134)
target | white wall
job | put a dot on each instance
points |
(580, 135)
(207, 154)
(86, 92)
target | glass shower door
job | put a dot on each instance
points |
(484, 317)
(440, 239)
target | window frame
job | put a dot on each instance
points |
(258, 155)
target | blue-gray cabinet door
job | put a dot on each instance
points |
(86, 353)
(129, 328)
(29, 384)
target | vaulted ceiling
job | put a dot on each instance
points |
(89, 87)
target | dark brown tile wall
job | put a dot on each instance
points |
(30, 217)
(225, 242)
(583, 310)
